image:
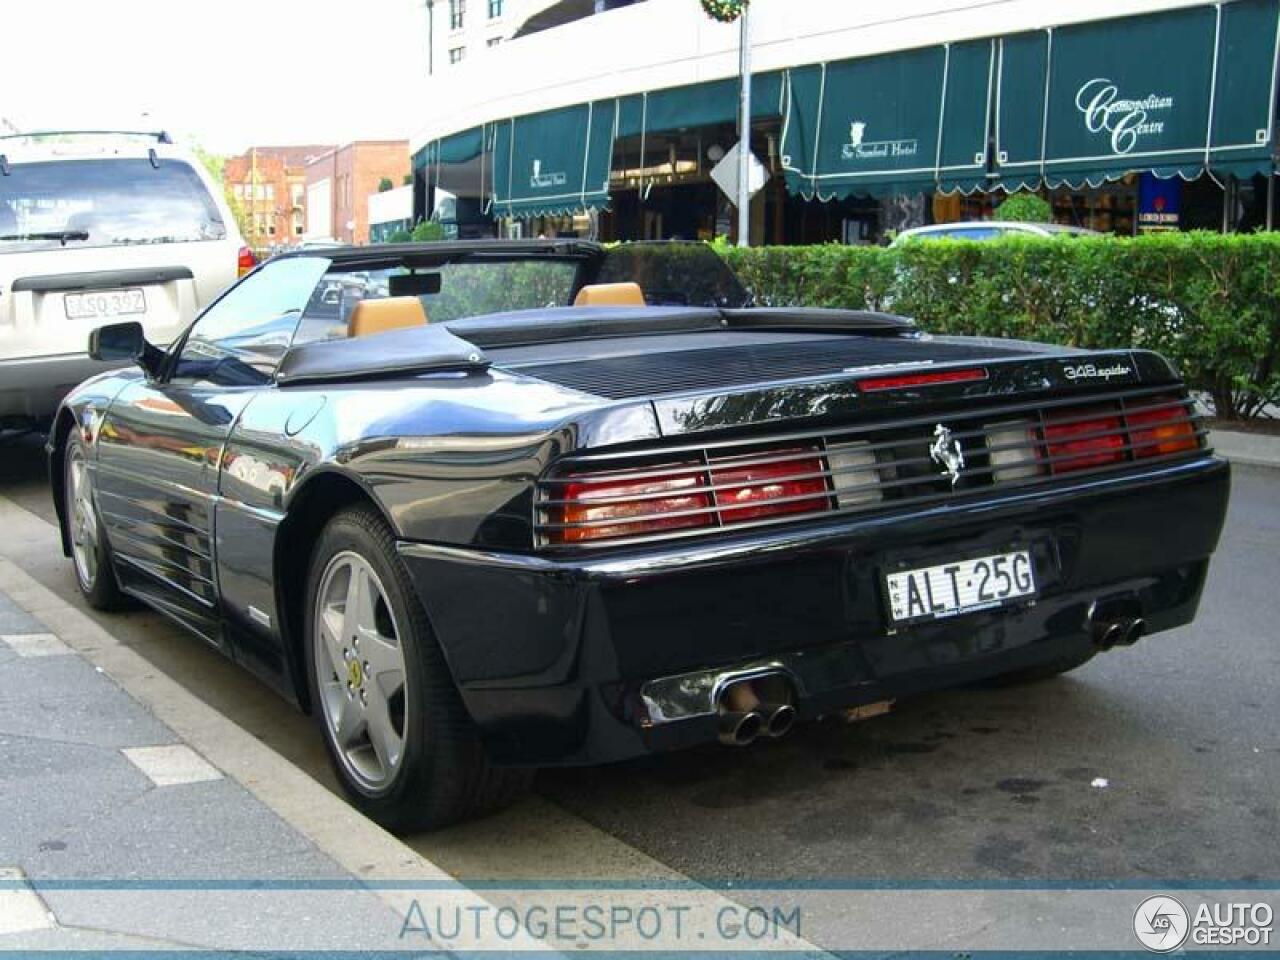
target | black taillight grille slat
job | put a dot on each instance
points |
(877, 466)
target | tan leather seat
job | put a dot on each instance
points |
(388, 313)
(610, 295)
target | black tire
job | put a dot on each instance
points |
(99, 587)
(444, 775)
(1043, 671)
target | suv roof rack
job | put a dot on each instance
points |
(160, 136)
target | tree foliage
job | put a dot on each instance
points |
(1025, 208)
(1208, 302)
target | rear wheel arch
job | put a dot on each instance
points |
(313, 504)
(61, 432)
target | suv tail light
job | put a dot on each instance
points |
(1083, 440)
(1162, 430)
(245, 262)
(610, 509)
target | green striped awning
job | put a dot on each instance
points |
(1173, 93)
(903, 122)
(555, 162)
(698, 105)
(459, 147)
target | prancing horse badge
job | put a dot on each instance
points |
(947, 453)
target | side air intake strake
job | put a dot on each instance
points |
(610, 499)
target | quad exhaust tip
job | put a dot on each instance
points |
(1124, 632)
(744, 716)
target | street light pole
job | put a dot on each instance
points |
(744, 130)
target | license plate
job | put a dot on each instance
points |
(104, 303)
(964, 586)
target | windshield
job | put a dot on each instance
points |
(448, 291)
(103, 203)
(675, 274)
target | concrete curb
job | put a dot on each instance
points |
(1250, 449)
(357, 844)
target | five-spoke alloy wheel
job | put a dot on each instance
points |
(397, 732)
(90, 553)
(363, 693)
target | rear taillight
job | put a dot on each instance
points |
(673, 497)
(1162, 430)
(245, 262)
(1014, 450)
(760, 490)
(609, 509)
(1081, 441)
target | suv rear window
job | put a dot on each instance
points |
(114, 201)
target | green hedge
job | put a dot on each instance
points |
(1210, 303)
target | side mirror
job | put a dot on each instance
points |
(118, 341)
(125, 341)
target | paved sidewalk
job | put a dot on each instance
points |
(1252, 449)
(97, 792)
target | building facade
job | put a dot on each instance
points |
(340, 181)
(867, 117)
(269, 184)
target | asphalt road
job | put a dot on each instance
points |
(1159, 762)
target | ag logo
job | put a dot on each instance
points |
(1161, 923)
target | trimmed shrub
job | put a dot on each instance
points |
(427, 231)
(1025, 208)
(1208, 302)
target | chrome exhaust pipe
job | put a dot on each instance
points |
(1135, 630)
(739, 729)
(743, 716)
(779, 718)
(1108, 634)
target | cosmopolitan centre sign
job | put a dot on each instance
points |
(1123, 120)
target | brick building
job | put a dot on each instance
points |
(339, 182)
(270, 184)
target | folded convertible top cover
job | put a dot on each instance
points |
(417, 350)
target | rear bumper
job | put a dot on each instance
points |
(566, 661)
(34, 386)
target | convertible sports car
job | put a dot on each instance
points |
(487, 506)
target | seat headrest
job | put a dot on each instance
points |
(610, 295)
(387, 313)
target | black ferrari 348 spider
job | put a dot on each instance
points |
(485, 506)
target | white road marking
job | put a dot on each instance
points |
(172, 765)
(20, 909)
(35, 644)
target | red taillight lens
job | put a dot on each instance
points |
(770, 490)
(1081, 444)
(1161, 431)
(245, 262)
(608, 510)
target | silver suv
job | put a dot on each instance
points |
(95, 228)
